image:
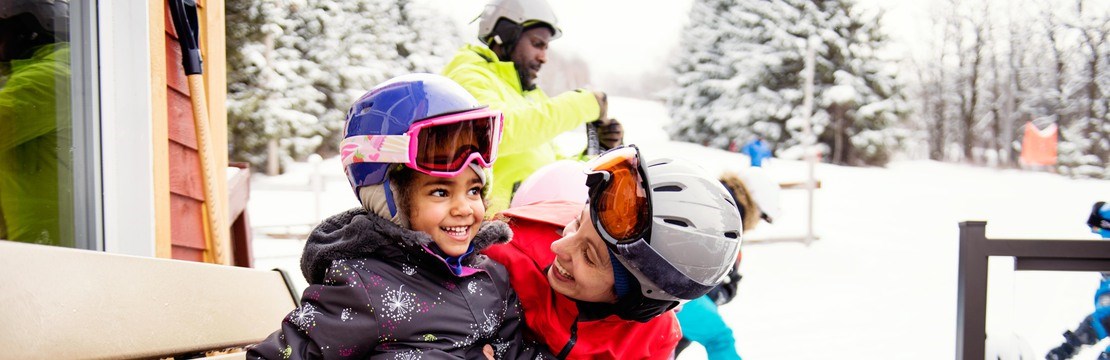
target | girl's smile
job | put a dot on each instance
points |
(450, 210)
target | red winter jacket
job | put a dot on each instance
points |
(554, 318)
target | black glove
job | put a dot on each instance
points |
(610, 134)
(726, 291)
(1096, 220)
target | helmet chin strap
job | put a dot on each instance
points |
(389, 198)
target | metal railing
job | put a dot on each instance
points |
(1046, 255)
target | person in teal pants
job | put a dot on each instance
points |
(701, 323)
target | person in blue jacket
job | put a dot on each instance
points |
(757, 150)
(1093, 328)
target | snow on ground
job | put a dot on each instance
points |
(879, 283)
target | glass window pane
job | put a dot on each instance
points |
(36, 126)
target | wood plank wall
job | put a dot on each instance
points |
(186, 217)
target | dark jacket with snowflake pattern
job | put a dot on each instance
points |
(379, 291)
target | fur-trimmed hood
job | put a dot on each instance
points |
(356, 233)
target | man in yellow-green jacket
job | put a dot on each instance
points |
(36, 170)
(502, 73)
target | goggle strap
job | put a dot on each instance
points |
(663, 274)
(375, 148)
(597, 177)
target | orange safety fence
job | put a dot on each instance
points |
(1038, 147)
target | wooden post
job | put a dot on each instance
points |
(971, 296)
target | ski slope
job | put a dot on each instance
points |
(880, 283)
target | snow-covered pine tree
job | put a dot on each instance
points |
(701, 75)
(269, 95)
(1085, 149)
(739, 75)
(325, 54)
(861, 129)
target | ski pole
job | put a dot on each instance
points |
(184, 14)
(593, 145)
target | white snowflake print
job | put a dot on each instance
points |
(408, 355)
(483, 329)
(347, 314)
(472, 287)
(500, 347)
(408, 270)
(304, 317)
(398, 304)
(488, 326)
(466, 341)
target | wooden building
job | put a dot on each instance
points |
(137, 175)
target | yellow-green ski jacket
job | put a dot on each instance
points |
(532, 119)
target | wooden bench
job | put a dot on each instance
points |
(60, 303)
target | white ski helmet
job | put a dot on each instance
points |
(696, 228)
(519, 13)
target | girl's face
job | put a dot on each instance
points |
(449, 209)
(581, 269)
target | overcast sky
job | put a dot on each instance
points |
(630, 37)
(620, 37)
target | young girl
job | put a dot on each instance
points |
(402, 277)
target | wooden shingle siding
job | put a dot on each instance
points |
(187, 231)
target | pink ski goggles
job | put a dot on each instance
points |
(441, 146)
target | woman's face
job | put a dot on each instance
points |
(448, 209)
(581, 269)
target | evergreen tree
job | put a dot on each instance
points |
(296, 66)
(269, 98)
(740, 75)
(1086, 148)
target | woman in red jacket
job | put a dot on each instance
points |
(598, 281)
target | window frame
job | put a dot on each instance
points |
(85, 108)
(126, 161)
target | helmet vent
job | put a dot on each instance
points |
(368, 107)
(669, 188)
(732, 234)
(677, 222)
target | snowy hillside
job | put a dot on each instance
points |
(880, 283)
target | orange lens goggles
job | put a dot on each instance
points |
(619, 196)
